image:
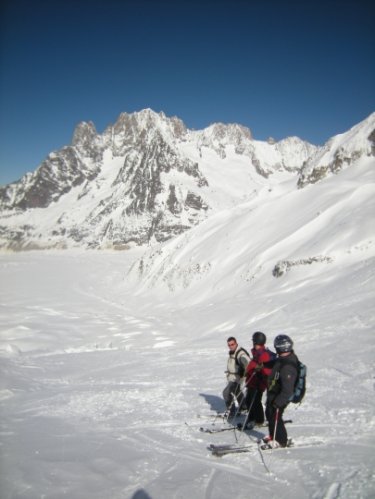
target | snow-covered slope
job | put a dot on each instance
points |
(103, 390)
(321, 226)
(341, 151)
(111, 361)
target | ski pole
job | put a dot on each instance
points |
(248, 412)
(244, 393)
(239, 406)
(238, 410)
(234, 400)
(274, 430)
(244, 398)
(229, 408)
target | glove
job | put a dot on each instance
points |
(259, 367)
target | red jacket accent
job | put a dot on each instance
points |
(256, 373)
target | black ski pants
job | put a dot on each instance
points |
(254, 403)
(275, 419)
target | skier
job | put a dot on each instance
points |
(280, 388)
(257, 373)
(237, 362)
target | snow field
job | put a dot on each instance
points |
(103, 390)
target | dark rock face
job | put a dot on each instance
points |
(194, 201)
(340, 152)
(285, 266)
(140, 202)
(340, 160)
(143, 175)
(172, 202)
(56, 176)
(371, 139)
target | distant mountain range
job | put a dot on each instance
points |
(148, 178)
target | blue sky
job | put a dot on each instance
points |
(280, 68)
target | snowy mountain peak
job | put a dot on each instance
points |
(148, 178)
(231, 133)
(145, 124)
(340, 151)
(84, 134)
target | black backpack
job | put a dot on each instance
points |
(300, 384)
(241, 369)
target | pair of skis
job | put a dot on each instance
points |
(213, 428)
(222, 450)
(221, 428)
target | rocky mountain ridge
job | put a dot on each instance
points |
(148, 178)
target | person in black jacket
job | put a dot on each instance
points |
(280, 389)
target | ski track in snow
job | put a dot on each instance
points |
(96, 387)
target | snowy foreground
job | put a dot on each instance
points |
(103, 391)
